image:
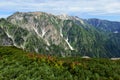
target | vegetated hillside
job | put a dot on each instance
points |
(4, 39)
(16, 64)
(113, 44)
(57, 35)
(112, 31)
(105, 25)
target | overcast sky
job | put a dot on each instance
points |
(103, 9)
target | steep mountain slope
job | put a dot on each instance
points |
(19, 36)
(56, 35)
(112, 30)
(86, 40)
(4, 38)
(44, 25)
(42, 30)
(104, 25)
(113, 44)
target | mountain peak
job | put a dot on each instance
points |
(65, 17)
(37, 13)
(60, 35)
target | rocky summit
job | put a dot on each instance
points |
(61, 35)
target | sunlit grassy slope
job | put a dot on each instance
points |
(16, 64)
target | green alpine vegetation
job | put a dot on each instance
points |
(16, 64)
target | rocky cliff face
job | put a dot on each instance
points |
(44, 26)
(59, 35)
(35, 31)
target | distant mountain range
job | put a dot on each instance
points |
(61, 35)
(104, 25)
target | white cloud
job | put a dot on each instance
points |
(97, 7)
